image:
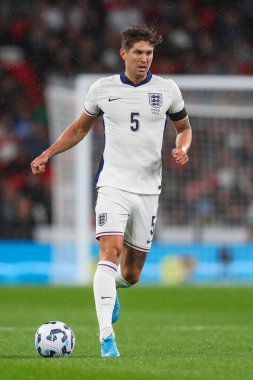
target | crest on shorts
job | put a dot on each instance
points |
(155, 99)
(102, 218)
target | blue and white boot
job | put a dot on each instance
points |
(116, 310)
(109, 348)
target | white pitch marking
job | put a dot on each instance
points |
(32, 329)
(75, 328)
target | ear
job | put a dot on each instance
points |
(122, 53)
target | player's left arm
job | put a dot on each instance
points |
(183, 140)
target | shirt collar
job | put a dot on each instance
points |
(124, 79)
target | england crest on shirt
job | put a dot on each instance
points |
(102, 218)
(155, 100)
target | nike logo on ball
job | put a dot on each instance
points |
(112, 99)
(103, 298)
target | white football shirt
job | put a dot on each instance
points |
(134, 121)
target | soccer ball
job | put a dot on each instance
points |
(54, 339)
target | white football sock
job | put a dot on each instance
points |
(120, 281)
(105, 294)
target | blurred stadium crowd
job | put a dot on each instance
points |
(61, 38)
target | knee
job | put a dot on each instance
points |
(133, 280)
(131, 277)
(110, 247)
(110, 253)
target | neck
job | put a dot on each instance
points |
(135, 79)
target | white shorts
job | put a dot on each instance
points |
(132, 215)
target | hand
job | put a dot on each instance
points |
(38, 165)
(180, 156)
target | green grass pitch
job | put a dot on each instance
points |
(175, 333)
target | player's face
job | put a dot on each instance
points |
(137, 60)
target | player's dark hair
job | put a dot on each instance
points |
(139, 33)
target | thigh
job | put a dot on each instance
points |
(140, 227)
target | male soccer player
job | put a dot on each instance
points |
(135, 106)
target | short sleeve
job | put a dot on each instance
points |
(176, 110)
(91, 102)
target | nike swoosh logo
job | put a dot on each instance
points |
(112, 99)
(103, 298)
(149, 241)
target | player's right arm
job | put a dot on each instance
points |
(72, 135)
